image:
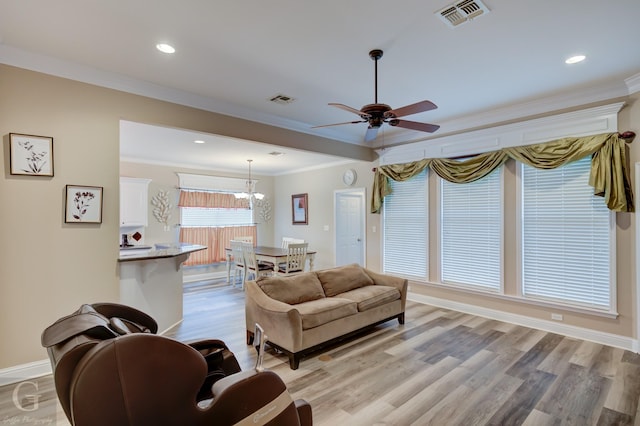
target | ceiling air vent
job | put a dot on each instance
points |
(282, 99)
(461, 12)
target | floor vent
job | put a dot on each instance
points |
(282, 99)
(462, 12)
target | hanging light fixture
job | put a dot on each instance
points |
(250, 189)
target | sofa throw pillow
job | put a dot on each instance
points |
(294, 289)
(343, 278)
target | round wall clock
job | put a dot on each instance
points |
(349, 177)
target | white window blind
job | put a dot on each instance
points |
(567, 238)
(405, 221)
(471, 232)
(198, 216)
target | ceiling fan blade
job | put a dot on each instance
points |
(413, 125)
(348, 108)
(340, 124)
(411, 109)
(371, 134)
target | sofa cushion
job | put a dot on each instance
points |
(322, 311)
(371, 296)
(342, 279)
(293, 289)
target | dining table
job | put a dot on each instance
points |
(274, 255)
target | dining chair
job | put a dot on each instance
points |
(251, 264)
(296, 259)
(238, 261)
(287, 240)
(245, 238)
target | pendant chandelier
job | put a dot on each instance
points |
(250, 189)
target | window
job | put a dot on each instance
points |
(200, 216)
(405, 224)
(471, 232)
(567, 238)
(213, 219)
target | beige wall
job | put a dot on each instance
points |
(48, 268)
(320, 185)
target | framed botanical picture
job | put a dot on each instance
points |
(83, 204)
(30, 155)
(300, 209)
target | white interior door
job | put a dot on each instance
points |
(350, 226)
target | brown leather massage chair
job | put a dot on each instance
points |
(111, 369)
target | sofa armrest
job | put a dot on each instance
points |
(281, 322)
(401, 284)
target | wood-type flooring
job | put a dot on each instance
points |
(441, 368)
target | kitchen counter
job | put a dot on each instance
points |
(151, 280)
(157, 251)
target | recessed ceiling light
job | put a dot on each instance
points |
(166, 48)
(575, 59)
(198, 141)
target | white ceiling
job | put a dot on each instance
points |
(232, 57)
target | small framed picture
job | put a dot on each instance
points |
(30, 155)
(83, 204)
(300, 209)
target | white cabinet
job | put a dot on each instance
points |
(134, 201)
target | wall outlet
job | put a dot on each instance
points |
(557, 317)
(373, 228)
(326, 227)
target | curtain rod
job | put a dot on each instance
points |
(627, 136)
(219, 191)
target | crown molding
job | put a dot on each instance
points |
(521, 111)
(633, 83)
(588, 121)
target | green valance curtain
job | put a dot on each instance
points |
(609, 175)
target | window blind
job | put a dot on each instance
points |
(405, 221)
(567, 237)
(471, 232)
(198, 216)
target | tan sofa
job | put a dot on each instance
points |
(302, 313)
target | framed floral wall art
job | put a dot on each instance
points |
(83, 204)
(31, 155)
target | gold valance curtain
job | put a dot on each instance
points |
(211, 200)
(609, 175)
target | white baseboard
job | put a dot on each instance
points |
(600, 337)
(23, 372)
